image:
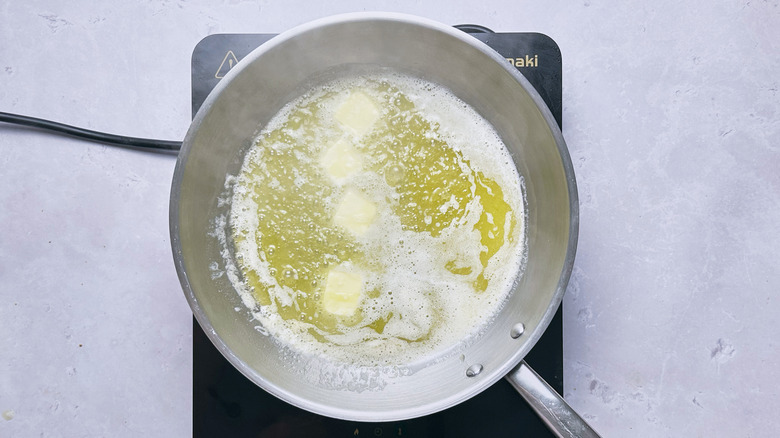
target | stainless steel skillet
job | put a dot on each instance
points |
(282, 69)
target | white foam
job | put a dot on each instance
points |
(426, 300)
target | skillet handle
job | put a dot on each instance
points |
(551, 407)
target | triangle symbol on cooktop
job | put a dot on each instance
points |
(228, 62)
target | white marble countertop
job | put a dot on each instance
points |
(672, 116)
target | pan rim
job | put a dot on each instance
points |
(396, 414)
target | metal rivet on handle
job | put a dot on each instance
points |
(474, 370)
(517, 330)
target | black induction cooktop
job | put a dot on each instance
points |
(227, 404)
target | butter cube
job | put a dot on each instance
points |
(341, 160)
(342, 292)
(355, 212)
(358, 113)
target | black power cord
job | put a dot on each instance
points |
(99, 137)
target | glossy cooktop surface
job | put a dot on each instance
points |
(225, 403)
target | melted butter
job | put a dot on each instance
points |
(435, 182)
(427, 258)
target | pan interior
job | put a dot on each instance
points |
(281, 70)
